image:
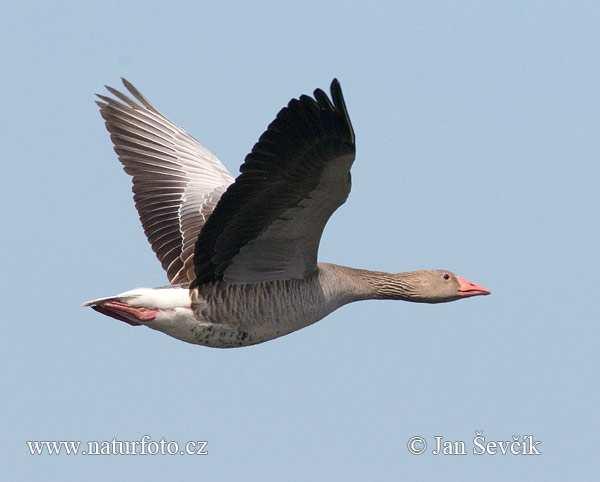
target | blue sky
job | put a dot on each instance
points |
(477, 135)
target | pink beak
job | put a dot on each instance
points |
(467, 288)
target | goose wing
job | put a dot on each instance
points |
(176, 181)
(268, 224)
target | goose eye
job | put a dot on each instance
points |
(446, 276)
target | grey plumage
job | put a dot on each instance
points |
(241, 255)
(176, 181)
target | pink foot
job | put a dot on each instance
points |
(132, 315)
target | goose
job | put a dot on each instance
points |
(241, 254)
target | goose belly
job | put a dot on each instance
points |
(242, 315)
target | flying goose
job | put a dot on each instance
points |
(241, 254)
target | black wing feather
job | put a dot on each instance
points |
(283, 167)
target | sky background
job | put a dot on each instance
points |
(477, 135)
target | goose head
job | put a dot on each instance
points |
(439, 286)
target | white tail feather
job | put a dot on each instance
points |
(163, 298)
(97, 301)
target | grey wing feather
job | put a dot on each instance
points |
(176, 181)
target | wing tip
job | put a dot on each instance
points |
(142, 102)
(340, 104)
